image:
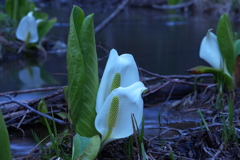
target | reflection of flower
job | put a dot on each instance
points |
(119, 96)
(31, 77)
(27, 29)
(210, 52)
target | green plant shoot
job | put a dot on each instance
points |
(82, 73)
(43, 109)
(17, 9)
(5, 152)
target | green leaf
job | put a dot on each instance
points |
(18, 8)
(237, 48)
(218, 75)
(40, 15)
(88, 48)
(225, 41)
(173, 2)
(85, 148)
(82, 73)
(43, 109)
(143, 152)
(5, 152)
(63, 115)
(45, 26)
(75, 66)
(235, 36)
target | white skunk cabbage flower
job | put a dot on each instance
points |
(121, 67)
(119, 97)
(113, 120)
(27, 29)
(210, 52)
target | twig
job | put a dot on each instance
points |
(35, 111)
(31, 119)
(168, 78)
(58, 92)
(158, 88)
(177, 6)
(186, 77)
(205, 149)
(31, 90)
(111, 16)
(20, 130)
(22, 119)
(33, 149)
(176, 76)
(14, 114)
(180, 132)
(169, 96)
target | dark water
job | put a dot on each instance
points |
(161, 43)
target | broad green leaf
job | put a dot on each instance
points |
(225, 41)
(75, 66)
(45, 26)
(92, 149)
(82, 73)
(88, 48)
(237, 48)
(218, 75)
(5, 152)
(85, 148)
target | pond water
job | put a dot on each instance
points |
(161, 43)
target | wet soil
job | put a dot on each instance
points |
(194, 142)
(179, 130)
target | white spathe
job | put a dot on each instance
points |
(123, 64)
(210, 52)
(130, 102)
(28, 24)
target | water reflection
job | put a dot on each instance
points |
(158, 44)
(31, 77)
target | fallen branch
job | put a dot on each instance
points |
(177, 6)
(111, 16)
(179, 82)
(31, 90)
(35, 111)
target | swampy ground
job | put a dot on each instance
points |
(172, 136)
